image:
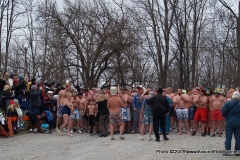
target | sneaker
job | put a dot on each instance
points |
(122, 137)
(157, 140)
(80, 131)
(57, 130)
(64, 129)
(35, 130)
(30, 131)
(71, 131)
(184, 130)
(133, 132)
(149, 138)
(141, 138)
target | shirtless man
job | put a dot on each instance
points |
(60, 101)
(87, 97)
(201, 112)
(82, 108)
(76, 114)
(216, 103)
(181, 110)
(171, 110)
(127, 100)
(193, 108)
(114, 104)
(91, 113)
(188, 101)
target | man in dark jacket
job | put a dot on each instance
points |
(160, 107)
(231, 112)
(35, 99)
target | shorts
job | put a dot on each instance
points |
(191, 112)
(147, 120)
(115, 118)
(182, 114)
(216, 115)
(201, 115)
(66, 110)
(123, 111)
(59, 111)
(91, 120)
(76, 115)
(128, 114)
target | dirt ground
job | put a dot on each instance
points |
(31, 146)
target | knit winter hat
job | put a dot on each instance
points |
(235, 95)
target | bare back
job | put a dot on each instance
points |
(114, 104)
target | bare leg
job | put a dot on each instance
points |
(121, 128)
(214, 127)
(186, 124)
(111, 131)
(69, 126)
(219, 126)
(203, 124)
(142, 129)
(180, 126)
(150, 130)
(65, 123)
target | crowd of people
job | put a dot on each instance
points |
(124, 110)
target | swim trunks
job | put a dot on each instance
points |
(124, 114)
(201, 115)
(76, 115)
(191, 111)
(91, 120)
(59, 110)
(128, 114)
(115, 118)
(182, 114)
(216, 115)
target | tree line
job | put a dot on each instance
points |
(174, 43)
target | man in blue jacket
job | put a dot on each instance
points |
(35, 100)
(231, 112)
(160, 107)
(137, 105)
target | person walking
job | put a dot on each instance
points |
(160, 107)
(231, 112)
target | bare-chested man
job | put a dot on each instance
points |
(193, 108)
(182, 102)
(75, 116)
(127, 100)
(201, 112)
(83, 106)
(171, 110)
(114, 104)
(91, 113)
(60, 100)
(216, 103)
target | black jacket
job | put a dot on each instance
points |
(102, 107)
(35, 99)
(158, 103)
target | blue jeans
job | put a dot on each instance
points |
(229, 132)
(135, 120)
(167, 123)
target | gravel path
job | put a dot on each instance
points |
(80, 147)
